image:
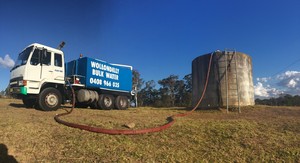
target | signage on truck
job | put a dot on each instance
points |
(104, 75)
(106, 72)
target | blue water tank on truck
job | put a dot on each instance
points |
(41, 79)
(106, 85)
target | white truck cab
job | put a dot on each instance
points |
(39, 76)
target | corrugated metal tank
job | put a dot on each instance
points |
(238, 80)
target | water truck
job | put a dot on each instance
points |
(42, 79)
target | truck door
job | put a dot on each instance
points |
(58, 74)
(39, 69)
(47, 68)
(33, 69)
(40, 66)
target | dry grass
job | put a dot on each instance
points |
(258, 134)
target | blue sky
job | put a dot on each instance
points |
(161, 37)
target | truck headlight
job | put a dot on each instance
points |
(22, 82)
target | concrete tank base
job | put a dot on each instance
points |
(236, 86)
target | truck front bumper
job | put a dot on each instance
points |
(18, 90)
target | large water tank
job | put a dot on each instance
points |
(230, 81)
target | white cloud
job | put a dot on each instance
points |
(7, 62)
(285, 83)
(262, 91)
(264, 80)
(289, 79)
(288, 74)
(292, 83)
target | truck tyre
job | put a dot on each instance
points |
(28, 102)
(121, 102)
(106, 101)
(50, 99)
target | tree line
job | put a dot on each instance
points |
(171, 92)
(282, 100)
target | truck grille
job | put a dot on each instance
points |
(14, 82)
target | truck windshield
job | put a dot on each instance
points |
(23, 57)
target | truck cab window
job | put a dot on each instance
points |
(47, 59)
(23, 57)
(35, 57)
(57, 60)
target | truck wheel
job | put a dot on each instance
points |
(106, 101)
(28, 102)
(50, 99)
(121, 102)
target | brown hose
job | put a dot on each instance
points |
(170, 119)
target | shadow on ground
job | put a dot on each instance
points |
(16, 105)
(4, 157)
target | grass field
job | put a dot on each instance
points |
(258, 134)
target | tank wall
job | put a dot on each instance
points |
(199, 73)
(216, 94)
(245, 79)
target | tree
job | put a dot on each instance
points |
(149, 94)
(282, 100)
(188, 82)
(137, 83)
(179, 92)
(168, 90)
(187, 94)
(172, 91)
